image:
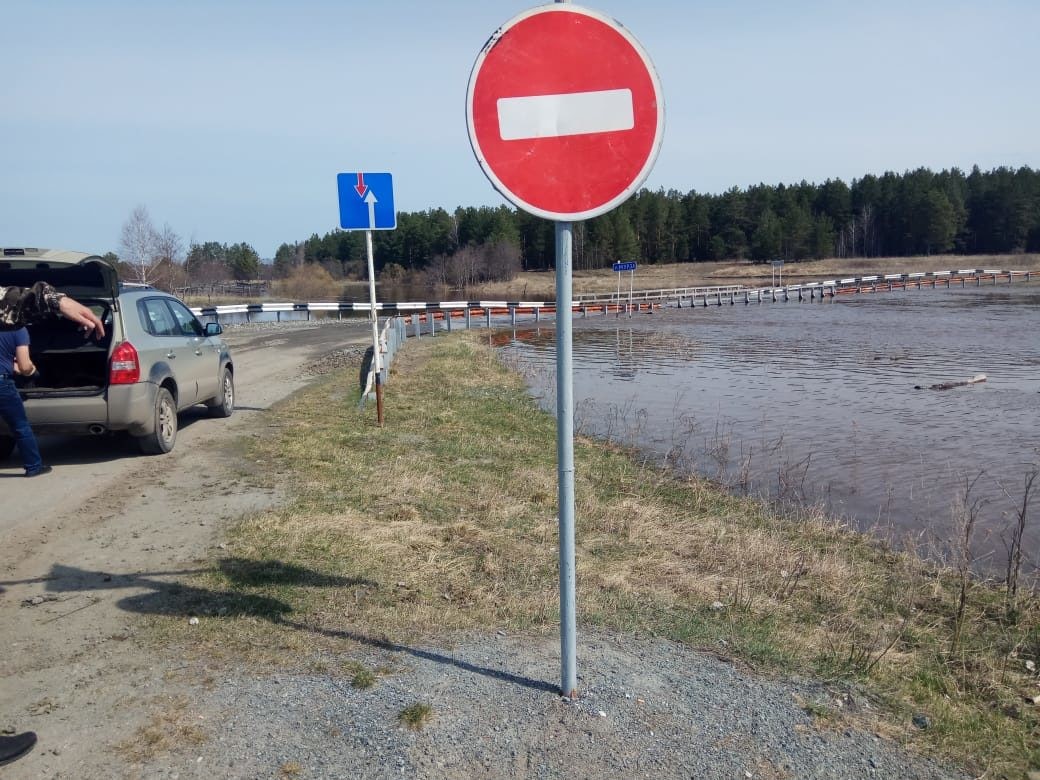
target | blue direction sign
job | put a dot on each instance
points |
(366, 201)
(629, 266)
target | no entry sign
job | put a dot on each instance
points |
(565, 112)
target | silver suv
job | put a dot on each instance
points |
(155, 360)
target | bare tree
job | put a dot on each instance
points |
(437, 272)
(167, 252)
(464, 268)
(152, 256)
(137, 245)
(967, 514)
(1014, 559)
(502, 261)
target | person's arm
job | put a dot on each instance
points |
(22, 362)
(21, 305)
(77, 312)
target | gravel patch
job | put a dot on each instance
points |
(649, 709)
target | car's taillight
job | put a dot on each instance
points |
(124, 368)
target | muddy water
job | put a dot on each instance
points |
(817, 402)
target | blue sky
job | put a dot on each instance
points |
(230, 120)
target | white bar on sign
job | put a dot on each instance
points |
(574, 113)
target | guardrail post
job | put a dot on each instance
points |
(537, 314)
(512, 316)
(487, 316)
(467, 318)
(433, 322)
(447, 319)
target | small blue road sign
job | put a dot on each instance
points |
(629, 266)
(366, 201)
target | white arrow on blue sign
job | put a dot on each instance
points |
(366, 201)
(629, 266)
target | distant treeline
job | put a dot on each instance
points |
(915, 213)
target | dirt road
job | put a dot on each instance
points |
(86, 547)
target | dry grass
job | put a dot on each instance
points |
(444, 519)
(535, 285)
(167, 730)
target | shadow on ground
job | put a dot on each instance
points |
(174, 598)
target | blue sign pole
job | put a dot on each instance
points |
(618, 268)
(366, 202)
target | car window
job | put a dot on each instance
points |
(187, 324)
(156, 317)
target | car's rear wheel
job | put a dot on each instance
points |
(164, 435)
(224, 404)
(6, 446)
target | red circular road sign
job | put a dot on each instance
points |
(565, 112)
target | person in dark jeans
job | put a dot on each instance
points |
(15, 361)
(19, 306)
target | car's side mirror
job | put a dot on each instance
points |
(213, 329)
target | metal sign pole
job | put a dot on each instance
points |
(377, 362)
(631, 281)
(565, 456)
(618, 293)
(565, 459)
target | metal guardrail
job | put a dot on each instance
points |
(391, 338)
(640, 300)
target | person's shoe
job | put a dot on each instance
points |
(39, 471)
(13, 748)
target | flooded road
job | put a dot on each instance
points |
(817, 402)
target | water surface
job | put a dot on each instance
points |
(817, 401)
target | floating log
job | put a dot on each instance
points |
(948, 385)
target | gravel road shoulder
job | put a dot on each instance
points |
(649, 709)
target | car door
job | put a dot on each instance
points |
(172, 347)
(205, 351)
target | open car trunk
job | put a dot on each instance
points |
(69, 362)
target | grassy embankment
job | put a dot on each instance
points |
(444, 520)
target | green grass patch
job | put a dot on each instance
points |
(416, 716)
